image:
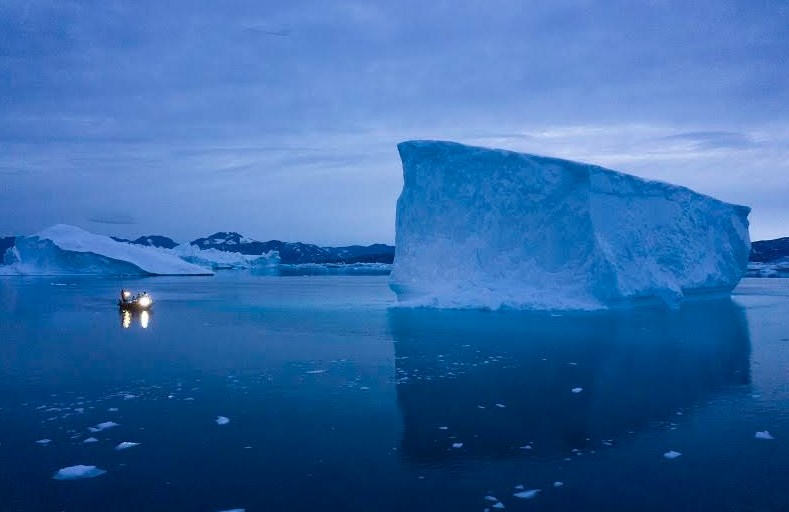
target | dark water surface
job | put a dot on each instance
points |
(338, 402)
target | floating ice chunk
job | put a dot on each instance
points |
(525, 231)
(91, 440)
(577, 390)
(103, 426)
(316, 371)
(501, 406)
(527, 447)
(126, 445)
(44, 442)
(527, 495)
(457, 445)
(763, 435)
(491, 499)
(222, 420)
(520, 487)
(499, 506)
(671, 454)
(113, 409)
(443, 428)
(558, 484)
(77, 472)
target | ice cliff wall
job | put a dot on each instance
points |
(489, 228)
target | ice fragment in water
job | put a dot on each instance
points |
(491, 499)
(91, 440)
(577, 390)
(457, 445)
(222, 420)
(103, 426)
(44, 442)
(764, 435)
(558, 484)
(126, 445)
(77, 472)
(499, 506)
(671, 454)
(527, 495)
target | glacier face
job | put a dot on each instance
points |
(64, 249)
(490, 228)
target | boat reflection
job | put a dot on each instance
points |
(128, 317)
(503, 381)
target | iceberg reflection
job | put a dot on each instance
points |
(499, 381)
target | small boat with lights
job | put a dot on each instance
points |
(140, 302)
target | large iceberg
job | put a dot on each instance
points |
(64, 249)
(482, 228)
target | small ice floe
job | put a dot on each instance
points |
(79, 410)
(498, 506)
(457, 445)
(759, 435)
(113, 409)
(44, 442)
(315, 372)
(480, 407)
(126, 445)
(520, 487)
(577, 390)
(364, 388)
(501, 406)
(77, 472)
(91, 440)
(443, 428)
(103, 426)
(491, 499)
(527, 495)
(222, 420)
(671, 454)
(558, 484)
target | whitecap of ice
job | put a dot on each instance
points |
(671, 454)
(457, 445)
(763, 435)
(577, 390)
(91, 440)
(558, 484)
(222, 420)
(44, 442)
(77, 472)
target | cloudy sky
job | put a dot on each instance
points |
(281, 119)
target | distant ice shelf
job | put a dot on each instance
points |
(484, 228)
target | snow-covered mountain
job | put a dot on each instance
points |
(296, 252)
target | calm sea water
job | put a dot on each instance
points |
(336, 401)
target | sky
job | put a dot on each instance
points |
(280, 120)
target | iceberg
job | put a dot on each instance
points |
(216, 259)
(484, 228)
(69, 250)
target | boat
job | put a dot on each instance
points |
(140, 302)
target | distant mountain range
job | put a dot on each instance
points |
(762, 251)
(770, 250)
(151, 241)
(289, 252)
